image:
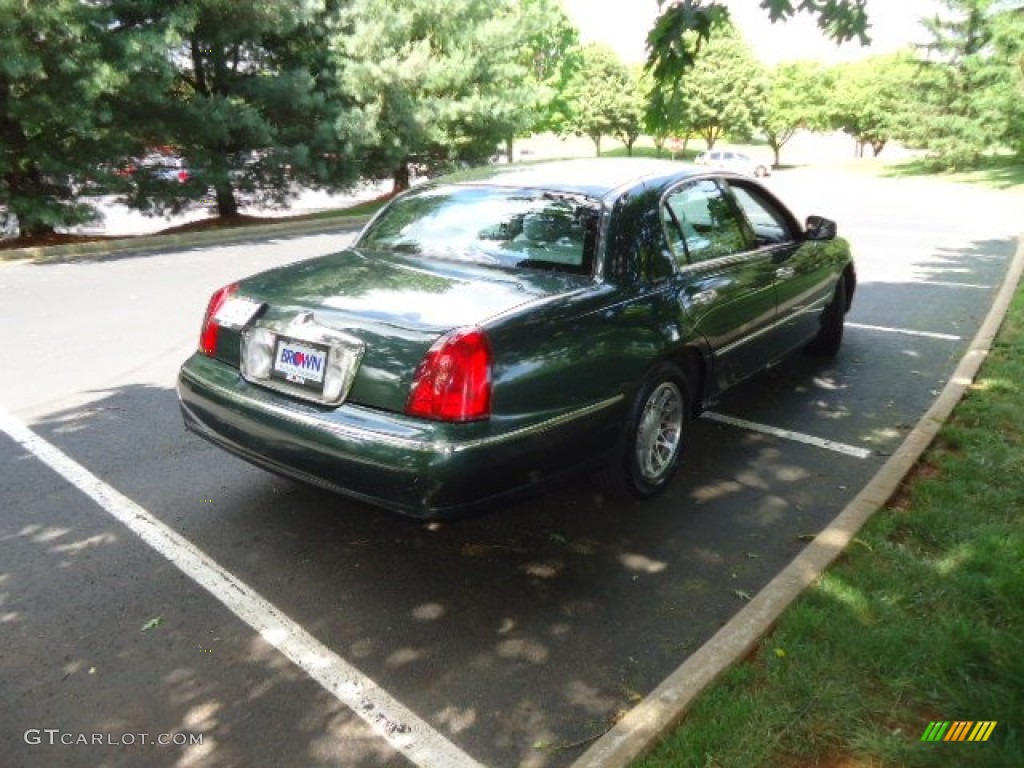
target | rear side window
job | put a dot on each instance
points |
(701, 223)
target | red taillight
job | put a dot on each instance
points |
(208, 333)
(453, 383)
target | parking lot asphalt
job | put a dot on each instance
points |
(332, 634)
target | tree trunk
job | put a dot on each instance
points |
(227, 206)
(597, 143)
(877, 146)
(510, 146)
(401, 177)
(27, 198)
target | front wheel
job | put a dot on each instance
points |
(655, 434)
(830, 335)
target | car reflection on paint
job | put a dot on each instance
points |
(491, 331)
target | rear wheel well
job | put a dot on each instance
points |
(691, 363)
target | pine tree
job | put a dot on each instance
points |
(61, 83)
(968, 89)
(252, 102)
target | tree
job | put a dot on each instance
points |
(631, 124)
(666, 115)
(797, 98)
(550, 54)
(436, 82)
(873, 99)
(685, 25)
(252, 107)
(602, 97)
(971, 94)
(1008, 44)
(725, 88)
(61, 76)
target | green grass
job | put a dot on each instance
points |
(923, 621)
(644, 147)
(999, 172)
(359, 209)
(644, 150)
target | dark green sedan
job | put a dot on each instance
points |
(490, 332)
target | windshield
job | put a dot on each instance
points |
(514, 228)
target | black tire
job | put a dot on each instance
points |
(830, 335)
(654, 435)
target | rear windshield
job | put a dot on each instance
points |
(512, 228)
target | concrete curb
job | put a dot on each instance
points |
(643, 726)
(157, 243)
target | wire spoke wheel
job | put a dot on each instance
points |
(653, 437)
(659, 432)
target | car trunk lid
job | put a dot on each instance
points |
(396, 306)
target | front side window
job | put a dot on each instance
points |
(498, 226)
(771, 225)
(701, 223)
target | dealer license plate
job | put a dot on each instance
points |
(301, 363)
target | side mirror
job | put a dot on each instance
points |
(820, 228)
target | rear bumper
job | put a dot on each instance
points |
(416, 467)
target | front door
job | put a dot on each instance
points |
(803, 271)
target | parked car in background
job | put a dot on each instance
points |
(490, 331)
(731, 160)
(164, 166)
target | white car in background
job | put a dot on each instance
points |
(731, 160)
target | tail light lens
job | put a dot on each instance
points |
(453, 383)
(208, 333)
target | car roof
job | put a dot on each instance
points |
(593, 177)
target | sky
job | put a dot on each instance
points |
(624, 24)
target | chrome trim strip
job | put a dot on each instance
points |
(431, 446)
(750, 337)
(534, 429)
(721, 262)
(817, 306)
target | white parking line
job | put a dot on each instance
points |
(798, 437)
(831, 445)
(948, 284)
(905, 332)
(396, 724)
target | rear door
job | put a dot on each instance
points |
(724, 284)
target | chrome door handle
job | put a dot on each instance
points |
(784, 273)
(704, 297)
